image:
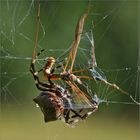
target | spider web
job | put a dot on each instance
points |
(18, 24)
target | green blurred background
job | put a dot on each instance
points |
(116, 40)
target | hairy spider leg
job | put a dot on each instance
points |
(40, 85)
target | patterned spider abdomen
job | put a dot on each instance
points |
(51, 105)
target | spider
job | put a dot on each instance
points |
(56, 102)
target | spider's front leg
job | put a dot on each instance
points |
(40, 85)
(33, 61)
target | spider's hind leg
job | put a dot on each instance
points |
(72, 119)
(89, 112)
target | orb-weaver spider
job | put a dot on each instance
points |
(56, 102)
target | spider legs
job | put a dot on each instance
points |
(85, 115)
(40, 85)
(77, 116)
(69, 119)
(89, 113)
